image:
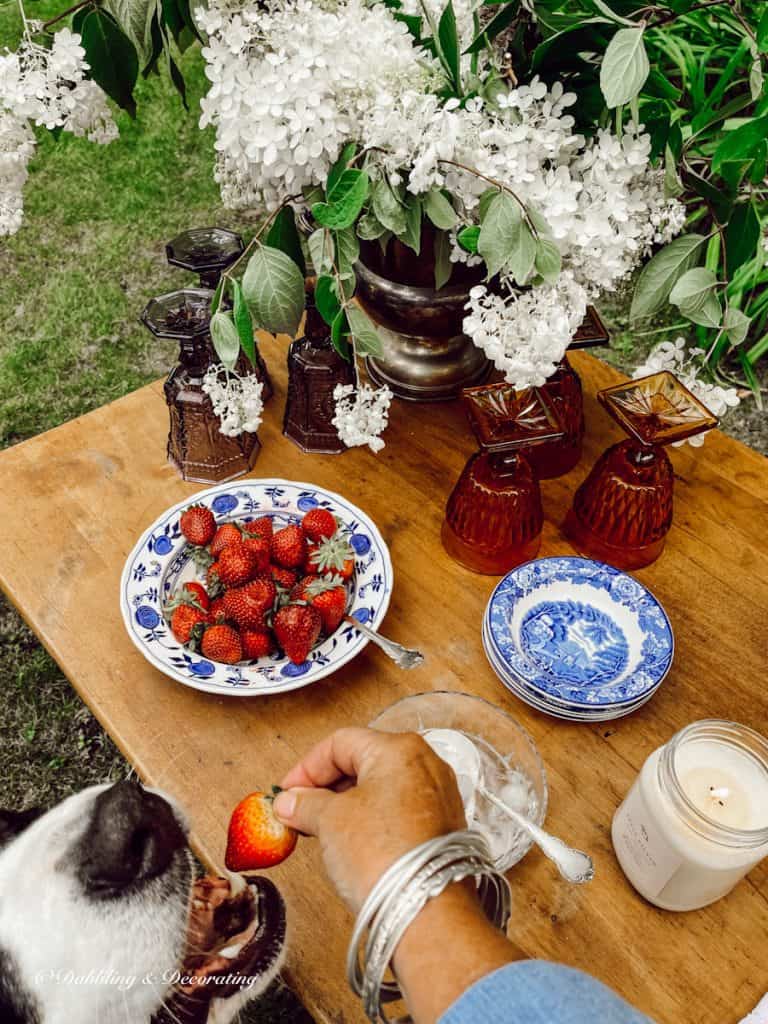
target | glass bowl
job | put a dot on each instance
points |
(511, 766)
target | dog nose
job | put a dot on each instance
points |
(133, 837)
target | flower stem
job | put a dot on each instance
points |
(69, 10)
(500, 185)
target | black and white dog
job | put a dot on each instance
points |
(101, 923)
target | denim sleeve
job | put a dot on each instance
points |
(538, 992)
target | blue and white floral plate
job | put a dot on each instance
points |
(577, 635)
(161, 562)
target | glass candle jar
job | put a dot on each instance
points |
(696, 819)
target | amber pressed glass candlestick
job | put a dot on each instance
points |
(494, 517)
(196, 446)
(564, 389)
(622, 512)
(208, 252)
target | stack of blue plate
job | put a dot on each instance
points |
(577, 639)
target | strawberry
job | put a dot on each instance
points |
(197, 594)
(283, 577)
(222, 643)
(247, 604)
(327, 595)
(226, 534)
(289, 547)
(259, 548)
(297, 627)
(257, 643)
(259, 528)
(183, 621)
(236, 565)
(335, 555)
(319, 523)
(216, 613)
(198, 525)
(256, 839)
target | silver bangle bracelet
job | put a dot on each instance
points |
(399, 896)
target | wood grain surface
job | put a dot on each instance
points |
(74, 501)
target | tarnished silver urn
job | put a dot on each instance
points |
(427, 357)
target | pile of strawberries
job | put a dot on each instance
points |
(264, 589)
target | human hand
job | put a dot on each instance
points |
(369, 797)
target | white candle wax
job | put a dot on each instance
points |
(696, 818)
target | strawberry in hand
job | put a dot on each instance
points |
(256, 839)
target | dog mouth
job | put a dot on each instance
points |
(234, 939)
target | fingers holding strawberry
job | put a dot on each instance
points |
(255, 838)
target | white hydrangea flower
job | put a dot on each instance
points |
(362, 414)
(236, 400)
(687, 366)
(46, 88)
(526, 333)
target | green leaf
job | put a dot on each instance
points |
(320, 245)
(284, 235)
(369, 227)
(673, 186)
(741, 143)
(694, 295)
(340, 166)
(363, 330)
(326, 300)
(439, 210)
(388, 209)
(218, 294)
(135, 19)
(497, 24)
(412, 235)
(225, 338)
(611, 14)
(625, 67)
(443, 265)
(736, 325)
(114, 64)
(273, 287)
(742, 235)
(448, 38)
(347, 253)
(762, 32)
(548, 260)
(339, 332)
(243, 322)
(756, 77)
(178, 79)
(345, 201)
(506, 240)
(468, 238)
(660, 274)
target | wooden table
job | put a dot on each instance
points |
(75, 499)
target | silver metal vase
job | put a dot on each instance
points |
(427, 357)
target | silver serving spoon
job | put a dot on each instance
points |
(403, 657)
(574, 865)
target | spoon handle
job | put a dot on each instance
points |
(574, 865)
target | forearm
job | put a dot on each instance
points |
(449, 946)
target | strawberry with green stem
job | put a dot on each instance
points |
(328, 595)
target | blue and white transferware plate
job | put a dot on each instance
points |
(161, 562)
(580, 632)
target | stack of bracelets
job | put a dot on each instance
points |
(400, 894)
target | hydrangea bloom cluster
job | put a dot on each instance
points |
(47, 88)
(687, 366)
(236, 400)
(526, 333)
(292, 84)
(362, 414)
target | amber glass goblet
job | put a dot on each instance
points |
(494, 517)
(622, 512)
(205, 251)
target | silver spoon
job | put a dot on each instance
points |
(403, 657)
(574, 865)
